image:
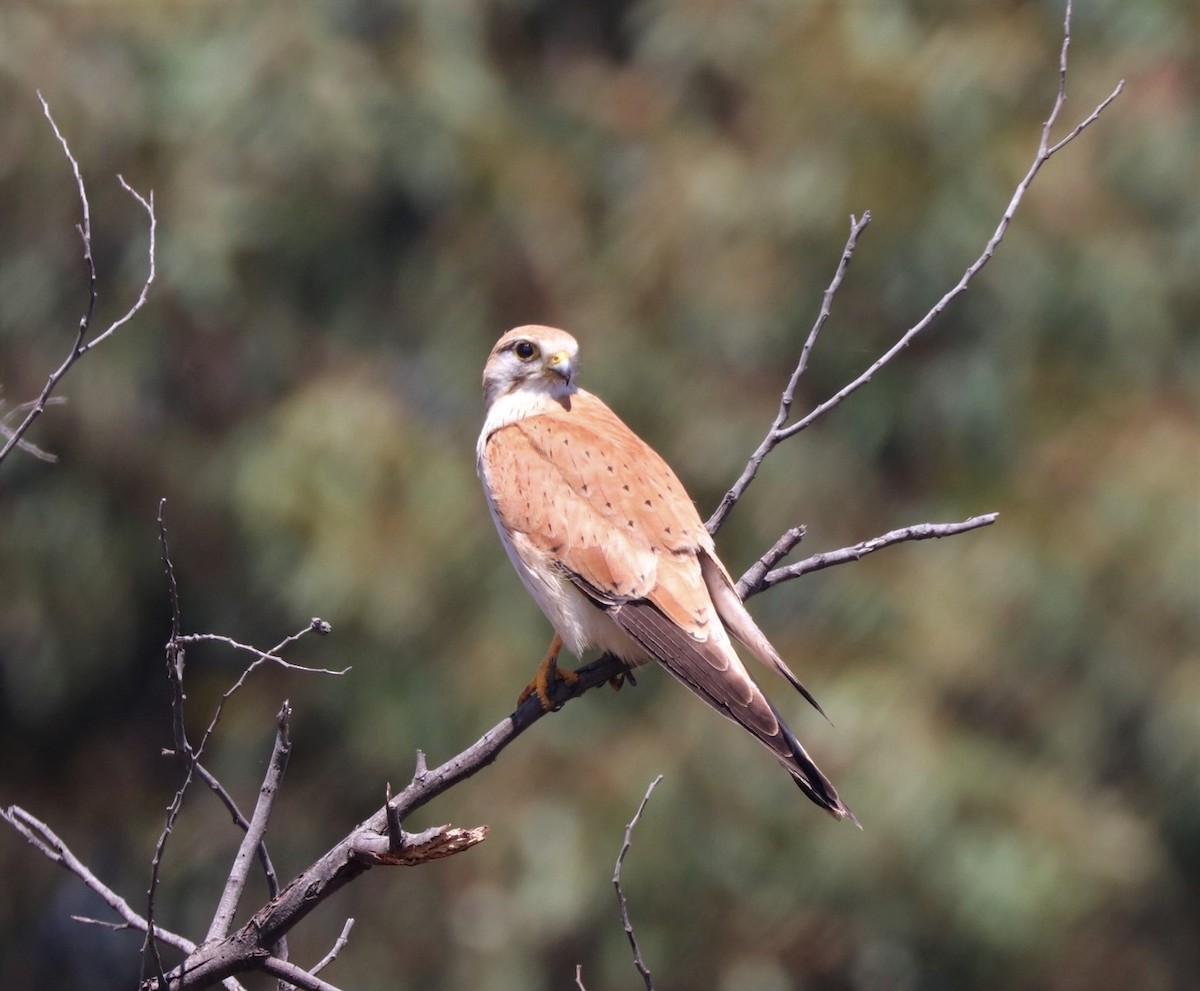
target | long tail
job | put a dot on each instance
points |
(713, 671)
(809, 777)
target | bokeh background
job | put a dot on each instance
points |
(355, 198)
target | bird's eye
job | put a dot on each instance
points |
(525, 350)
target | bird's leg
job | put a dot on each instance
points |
(617, 681)
(548, 673)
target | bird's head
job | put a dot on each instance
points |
(531, 359)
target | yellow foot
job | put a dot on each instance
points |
(548, 673)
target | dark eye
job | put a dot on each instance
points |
(525, 350)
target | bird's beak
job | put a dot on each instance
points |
(560, 364)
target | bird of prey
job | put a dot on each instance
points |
(611, 548)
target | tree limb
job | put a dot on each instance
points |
(81, 346)
(780, 430)
(762, 575)
(616, 880)
(235, 884)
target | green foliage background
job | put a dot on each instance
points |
(355, 199)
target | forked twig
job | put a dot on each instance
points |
(175, 654)
(762, 575)
(48, 843)
(775, 432)
(780, 430)
(338, 945)
(81, 345)
(242, 823)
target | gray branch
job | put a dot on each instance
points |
(81, 345)
(240, 872)
(616, 880)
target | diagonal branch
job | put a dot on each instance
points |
(54, 849)
(235, 884)
(775, 433)
(780, 430)
(242, 823)
(297, 976)
(338, 945)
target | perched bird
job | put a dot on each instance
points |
(611, 548)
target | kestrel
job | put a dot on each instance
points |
(611, 548)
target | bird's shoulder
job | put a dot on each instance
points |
(584, 453)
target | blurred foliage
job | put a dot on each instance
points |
(355, 198)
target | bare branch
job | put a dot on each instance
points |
(337, 948)
(1045, 148)
(175, 658)
(298, 976)
(774, 434)
(54, 849)
(27, 446)
(419, 848)
(626, 924)
(1044, 154)
(779, 431)
(183, 748)
(757, 571)
(148, 206)
(235, 884)
(264, 656)
(757, 580)
(81, 346)
(241, 822)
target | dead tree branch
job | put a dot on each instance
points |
(14, 435)
(47, 842)
(780, 430)
(763, 574)
(624, 908)
(380, 839)
(240, 872)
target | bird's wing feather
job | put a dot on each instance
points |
(741, 624)
(586, 490)
(713, 671)
(581, 490)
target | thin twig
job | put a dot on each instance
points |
(1044, 154)
(774, 435)
(242, 823)
(28, 446)
(147, 205)
(628, 926)
(175, 657)
(781, 549)
(264, 656)
(779, 431)
(298, 976)
(183, 748)
(54, 849)
(337, 948)
(81, 346)
(758, 579)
